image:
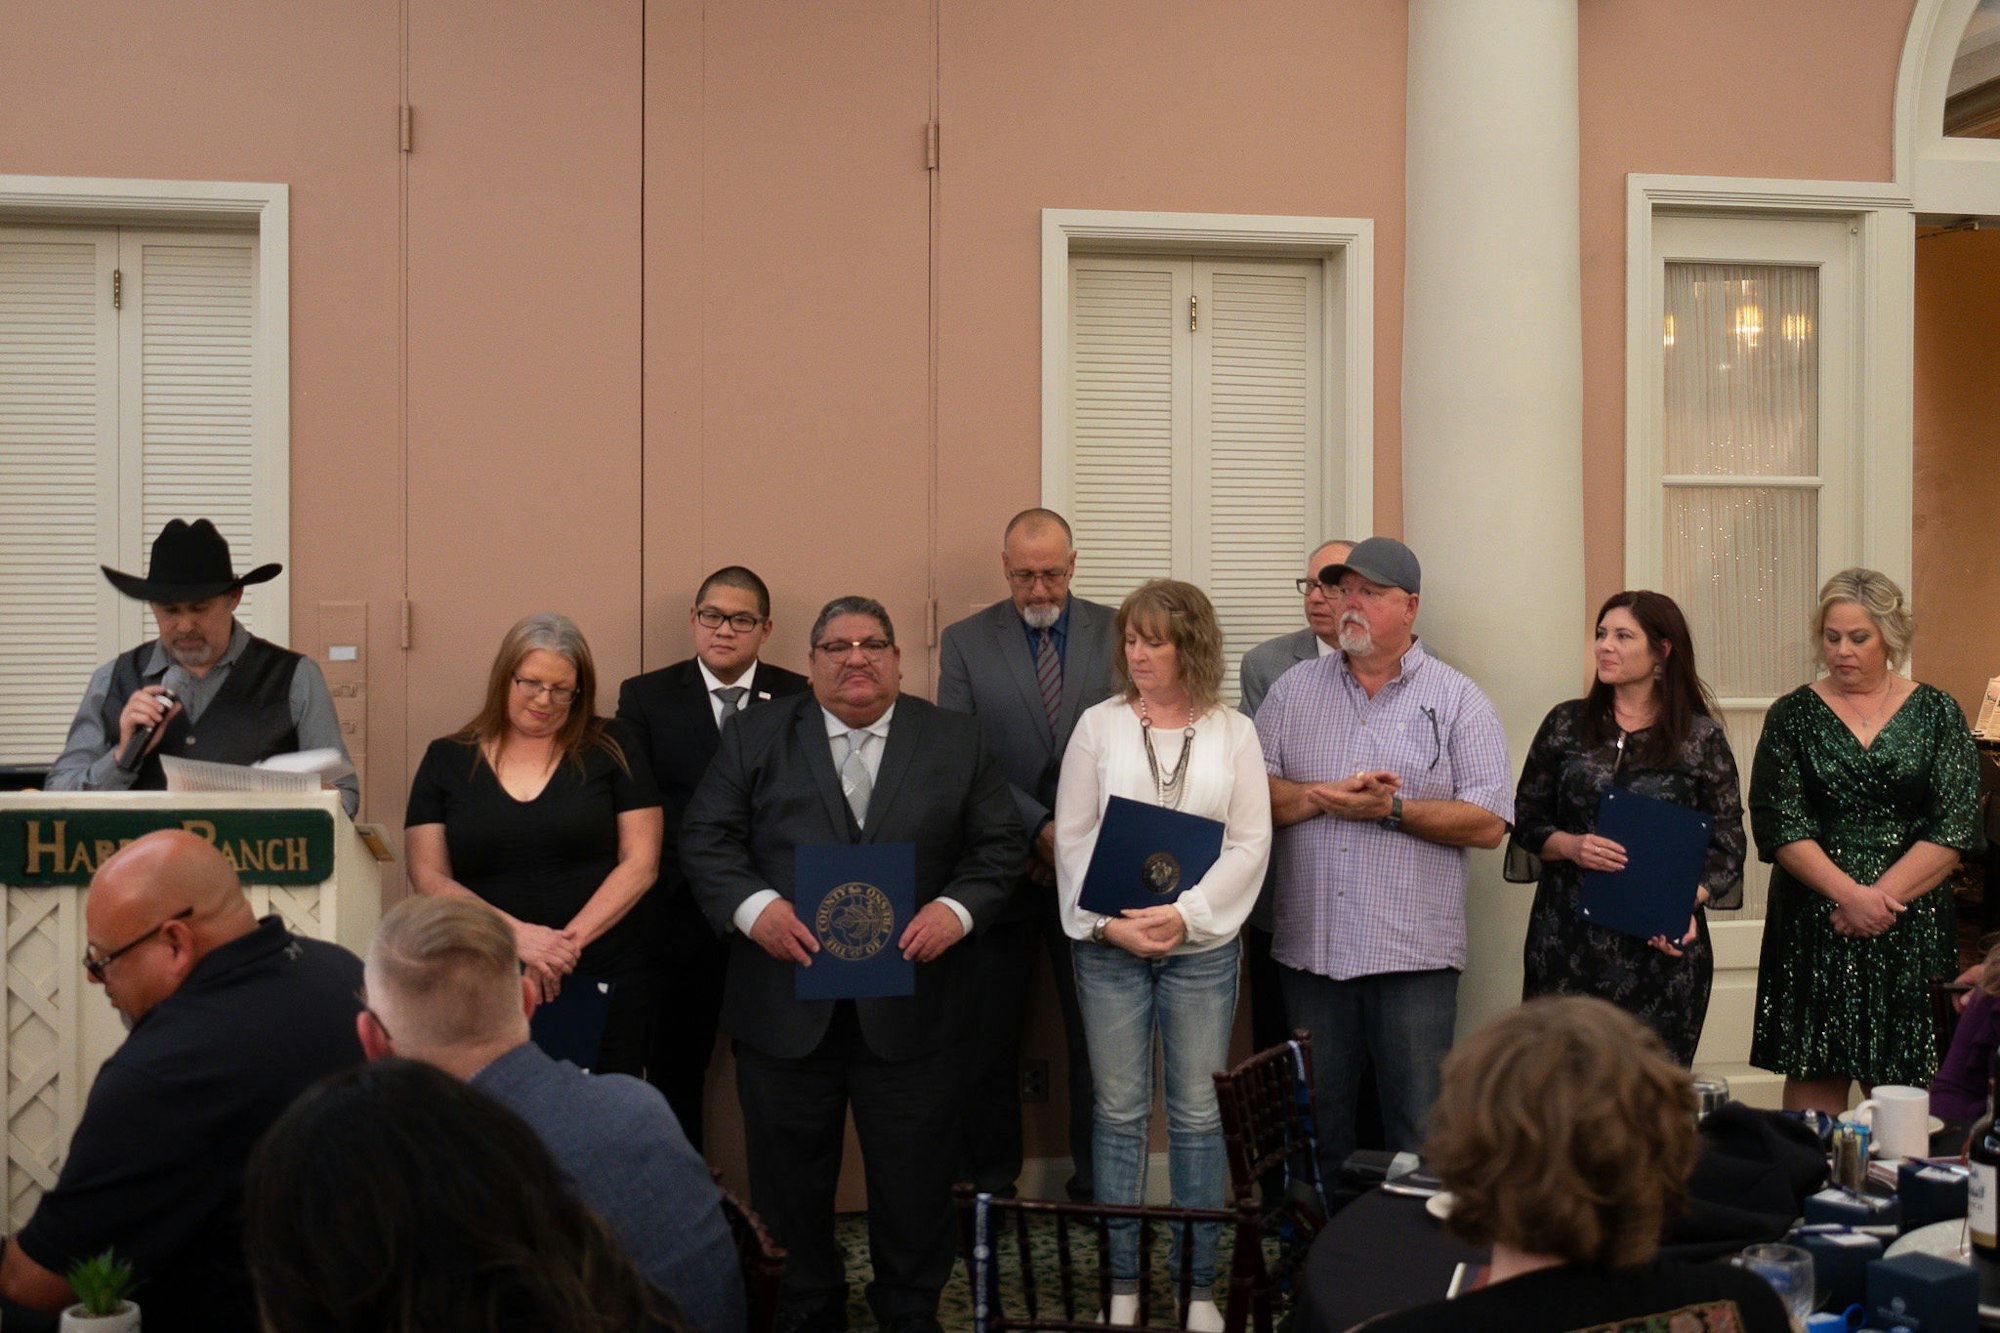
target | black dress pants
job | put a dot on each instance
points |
(794, 1120)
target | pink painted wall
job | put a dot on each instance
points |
(1957, 448)
(218, 92)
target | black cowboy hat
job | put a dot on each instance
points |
(190, 564)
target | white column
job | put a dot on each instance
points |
(1493, 388)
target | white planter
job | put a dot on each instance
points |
(74, 1320)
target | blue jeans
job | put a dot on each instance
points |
(1401, 1021)
(1191, 998)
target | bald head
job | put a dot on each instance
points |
(168, 872)
(444, 982)
(158, 907)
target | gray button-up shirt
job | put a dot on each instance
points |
(89, 761)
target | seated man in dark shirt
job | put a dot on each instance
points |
(1565, 1135)
(230, 1018)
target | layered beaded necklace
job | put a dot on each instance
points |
(1173, 787)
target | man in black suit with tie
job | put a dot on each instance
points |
(1027, 667)
(856, 762)
(677, 713)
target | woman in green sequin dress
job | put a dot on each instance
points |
(1864, 792)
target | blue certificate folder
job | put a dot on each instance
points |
(1147, 855)
(856, 899)
(1666, 848)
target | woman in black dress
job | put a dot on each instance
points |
(535, 808)
(1646, 725)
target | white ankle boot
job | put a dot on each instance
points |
(1124, 1311)
(1203, 1317)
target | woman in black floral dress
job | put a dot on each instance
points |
(1646, 725)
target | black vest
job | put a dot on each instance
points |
(250, 717)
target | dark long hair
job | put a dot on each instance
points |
(393, 1198)
(1682, 695)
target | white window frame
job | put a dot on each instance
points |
(1345, 248)
(1883, 250)
(262, 208)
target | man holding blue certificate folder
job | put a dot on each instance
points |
(845, 842)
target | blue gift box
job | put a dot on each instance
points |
(1877, 1214)
(1930, 1193)
(1924, 1293)
(1840, 1263)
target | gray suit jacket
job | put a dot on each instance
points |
(1271, 659)
(772, 788)
(985, 668)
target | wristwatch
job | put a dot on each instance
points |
(1097, 930)
(1394, 819)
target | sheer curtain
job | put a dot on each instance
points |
(1742, 480)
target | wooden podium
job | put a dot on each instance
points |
(298, 855)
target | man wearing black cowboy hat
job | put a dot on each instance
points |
(239, 699)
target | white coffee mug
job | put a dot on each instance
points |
(1899, 1118)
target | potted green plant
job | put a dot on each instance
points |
(100, 1283)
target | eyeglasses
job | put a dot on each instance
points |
(1028, 578)
(743, 622)
(1307, 587)
(560, 694)
(94, 962)
(870, 648)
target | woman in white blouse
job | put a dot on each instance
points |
(1166, 739)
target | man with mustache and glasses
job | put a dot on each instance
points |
(1386, 765)
(1027, 667)
(856, 761)
(240, 699)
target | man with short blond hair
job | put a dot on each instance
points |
(444, 986)
(231, 1018)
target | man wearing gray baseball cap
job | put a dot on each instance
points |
(1386, 765)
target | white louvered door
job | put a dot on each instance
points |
(114, 419)
(1196, 432)
(58, 478)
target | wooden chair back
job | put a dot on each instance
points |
(762, 1261)
(1039, 1264)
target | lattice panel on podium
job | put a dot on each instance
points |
(300, 908)
(41, 937)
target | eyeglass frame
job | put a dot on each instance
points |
(843, 647)
(1028, 578)
(1308, 586)
(558, 694)
(735, 622)
(94, 963)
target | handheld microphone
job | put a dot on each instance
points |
(135, 749)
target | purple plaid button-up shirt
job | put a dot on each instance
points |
(1355, 899)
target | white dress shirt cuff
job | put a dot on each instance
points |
(750, 909)
(958, 910)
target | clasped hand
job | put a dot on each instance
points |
(548, 954)
(1147, 932)
(1864, 911)
(1365, 797)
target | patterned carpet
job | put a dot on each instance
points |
(955, 1306)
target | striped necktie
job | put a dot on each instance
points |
(1048, 671)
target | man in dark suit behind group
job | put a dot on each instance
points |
(1027, 667)
(857, 762)
(677, 712)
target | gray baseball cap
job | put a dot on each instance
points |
(1382, 560)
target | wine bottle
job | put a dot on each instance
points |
(1982, 1154)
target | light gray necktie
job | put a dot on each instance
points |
(855, 783)
(731, 696)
